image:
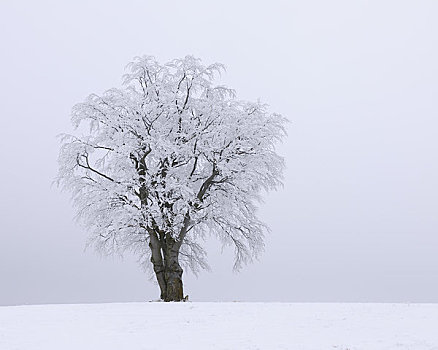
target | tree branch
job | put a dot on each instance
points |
(88, 167)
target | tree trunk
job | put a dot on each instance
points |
(164, 257)
(157, 262)
(173, 271)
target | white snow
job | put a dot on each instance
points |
(194, 326)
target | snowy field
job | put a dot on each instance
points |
(206, 326)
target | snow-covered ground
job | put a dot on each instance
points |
(206, 326)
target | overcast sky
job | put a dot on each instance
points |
(357, 219)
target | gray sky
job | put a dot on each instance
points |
(357, 219)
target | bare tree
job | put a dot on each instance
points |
(166, 160)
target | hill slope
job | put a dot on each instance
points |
(206, 326)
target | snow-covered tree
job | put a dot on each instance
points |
(167, 159)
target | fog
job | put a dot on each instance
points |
(357, 217)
